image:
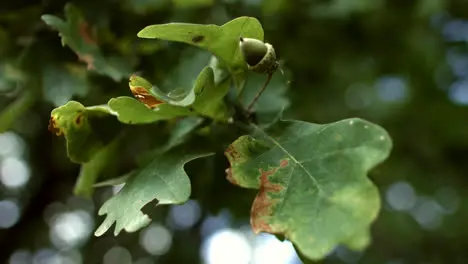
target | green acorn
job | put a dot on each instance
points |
(260, 57)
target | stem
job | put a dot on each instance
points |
(91, 170)
(257, 96)
(11, 113)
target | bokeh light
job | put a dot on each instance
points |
(14, 172)
(21, 257)
(428, 213)
(45, 256)
(456, 30)
(269, 250)
(52, 256)
(9, 213)
(70, 229)
(227, 246)
(11, 144)
(458, 92)
(392, 89)
(211, 224)
(184, 216)
(156, 239)
(401, 196)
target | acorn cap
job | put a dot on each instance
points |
(253, 50)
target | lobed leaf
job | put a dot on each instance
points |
(312, 182)
(222, 41)
(163, 179)
(75, 32)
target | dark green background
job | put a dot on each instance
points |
(398, 63)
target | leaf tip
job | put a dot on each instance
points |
(140, 90)
(144, 33)
(104, 226)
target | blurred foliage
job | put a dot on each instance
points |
(400, 64)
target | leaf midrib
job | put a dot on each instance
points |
(292, 158)
(299, 163)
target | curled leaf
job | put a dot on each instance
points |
(82, 128)
(205, 99)
(141, 88)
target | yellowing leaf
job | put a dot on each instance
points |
(312, 182)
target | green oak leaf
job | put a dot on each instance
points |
(75, 33)
(163, 179)
(209, 96)
(86, 129)
(222, 41)
(205, 99)
(131, 111)
(312, 182)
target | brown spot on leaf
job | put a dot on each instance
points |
(198, 39)
(284, 163)
(263, 203)
(145, 97)
(53, 127)
(84, 31)
(232, 154)
(79, 119)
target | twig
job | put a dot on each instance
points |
(257, 96)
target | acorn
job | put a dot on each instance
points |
(259, 56)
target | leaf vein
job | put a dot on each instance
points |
(291, 156)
